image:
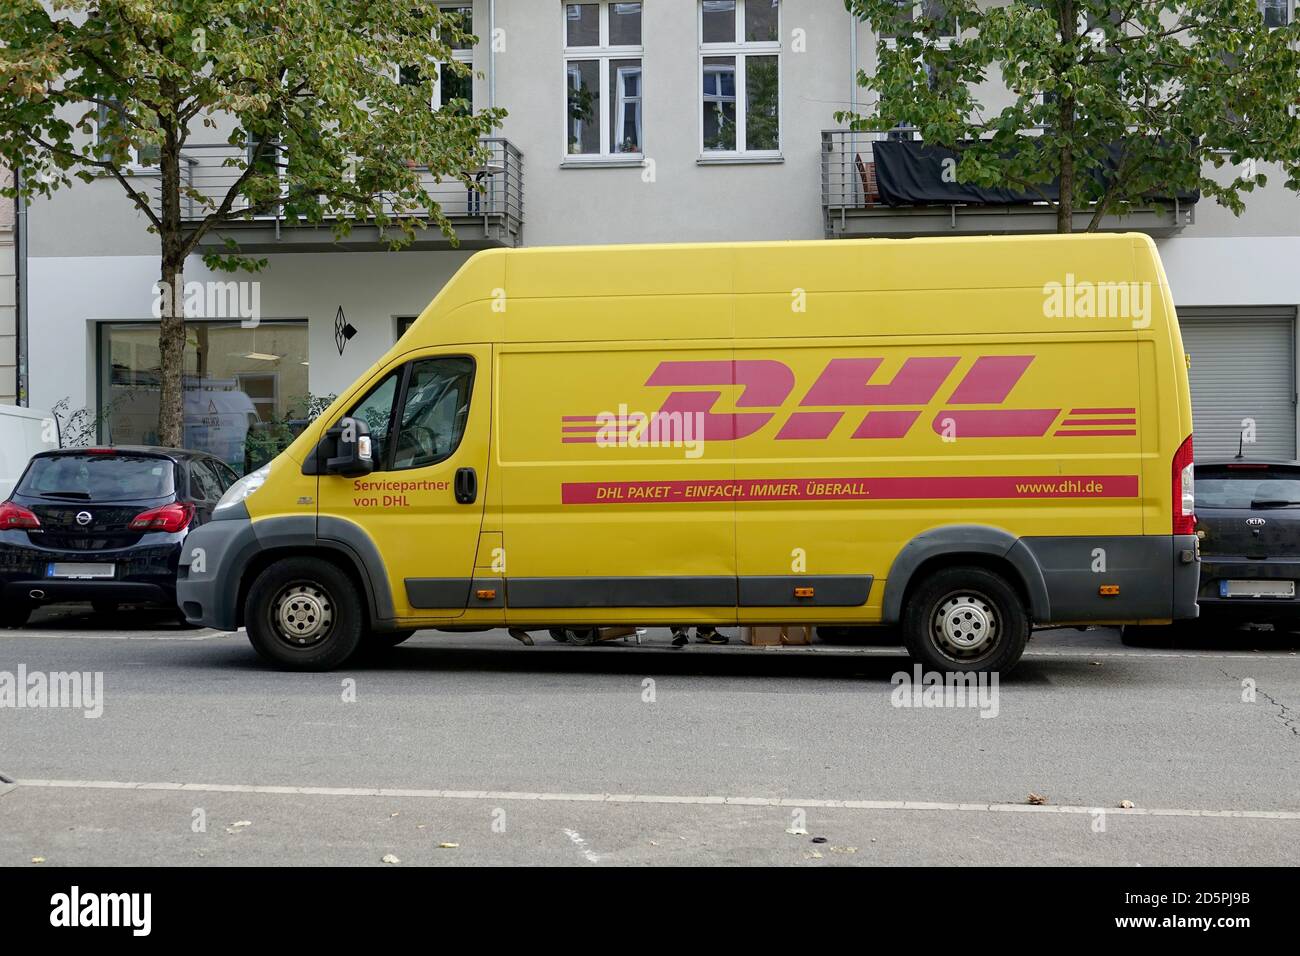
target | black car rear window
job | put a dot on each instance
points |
(100, 477)
(1246, 487)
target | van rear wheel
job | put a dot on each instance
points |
(304, 614)
(965, 619)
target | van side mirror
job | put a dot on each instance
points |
(353, 450)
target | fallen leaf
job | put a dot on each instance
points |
(796, 831)
(1126, 804)
(844, 849)
(38, 859)
(420, 826)
(815, 855)
(394, 814)
(389, 858)
(1036, 799)
(448, 846)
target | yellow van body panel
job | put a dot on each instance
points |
(668, 422)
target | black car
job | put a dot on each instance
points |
(103, 525)
(1248, 520)
(1248, 523)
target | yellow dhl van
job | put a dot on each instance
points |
(966, 438)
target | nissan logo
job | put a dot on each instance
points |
(1255, 522)
(83, 518)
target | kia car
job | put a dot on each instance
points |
(1248, 526)
(103, 526)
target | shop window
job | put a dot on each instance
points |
(245, 389)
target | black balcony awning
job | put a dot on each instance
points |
(913, 173)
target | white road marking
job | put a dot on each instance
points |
(924, 805)
(582, 845)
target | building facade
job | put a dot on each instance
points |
(9, 393)
(657, 121)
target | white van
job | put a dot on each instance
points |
(23, 432)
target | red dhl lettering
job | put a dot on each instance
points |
(848, 383)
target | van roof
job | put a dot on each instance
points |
(764, 277)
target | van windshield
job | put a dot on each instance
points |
(98, 477)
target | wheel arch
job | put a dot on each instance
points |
(983, 546)
(342, 543)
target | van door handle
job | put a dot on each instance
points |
(466, 485)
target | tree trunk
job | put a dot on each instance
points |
(171, 350)
(1068, 21)
(171, 330)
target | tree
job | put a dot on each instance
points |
(1115, 102)
(306, 91)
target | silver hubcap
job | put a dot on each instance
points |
(965, 625)
(304, 614)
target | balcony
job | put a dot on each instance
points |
(854, 206)
(491, 218)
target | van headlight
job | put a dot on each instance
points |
(243, 488)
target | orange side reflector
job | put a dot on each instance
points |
(803, 592)
(1108, 590)
(485, 594)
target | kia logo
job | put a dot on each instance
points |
(1255, 522)
(83, 518)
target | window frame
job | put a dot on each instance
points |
(136, 165)
(942, 43)
(741, 49)
(1290, 8)
(465, 56)
(603, 54)
(398, 406)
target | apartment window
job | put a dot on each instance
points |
(603, 78)
(448, 89)
(1277, 13)
(908, 13)
(109, 127)
(740, 77)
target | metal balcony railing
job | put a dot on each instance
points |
(497, 209)
(852, 204)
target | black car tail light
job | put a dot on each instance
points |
(16, 516)
(173, 517)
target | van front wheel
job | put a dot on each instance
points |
(965, 619)
(304, 614)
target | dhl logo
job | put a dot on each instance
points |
(846, 383)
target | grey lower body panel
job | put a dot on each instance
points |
(834, 590)
(1156, 577)
(212, 561)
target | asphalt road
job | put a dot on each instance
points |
(628, 754)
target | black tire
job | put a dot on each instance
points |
(104, 607)
(304, 614)
(15, 613)
(965, 619)
(559, 634)
(582, 636)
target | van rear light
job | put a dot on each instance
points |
(14, 516)
(1184, 499)
(172, 517)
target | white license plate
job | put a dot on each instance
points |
(1255, 589)
(71, 569)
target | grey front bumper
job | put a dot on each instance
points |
(211, 567)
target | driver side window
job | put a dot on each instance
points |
(435, 411)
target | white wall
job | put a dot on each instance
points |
(70, 296)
